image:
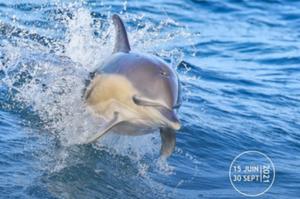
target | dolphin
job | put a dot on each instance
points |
(135, 93)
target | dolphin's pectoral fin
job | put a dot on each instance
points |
(109, 125)
(168, 140)
(121, 43)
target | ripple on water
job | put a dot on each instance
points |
(238, 64)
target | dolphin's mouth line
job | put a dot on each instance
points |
(168, 114)
(147, 102)
(141, 101)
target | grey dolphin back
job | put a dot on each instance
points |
(121, 42)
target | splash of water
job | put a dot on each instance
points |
(52, 83)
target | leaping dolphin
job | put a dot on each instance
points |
(135, 93)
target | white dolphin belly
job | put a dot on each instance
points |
(113, 93)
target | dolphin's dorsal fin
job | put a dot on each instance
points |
(121, 42)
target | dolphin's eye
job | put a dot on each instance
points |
(164, 73)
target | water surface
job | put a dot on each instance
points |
(238, 62)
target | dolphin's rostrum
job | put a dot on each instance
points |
(135, 93)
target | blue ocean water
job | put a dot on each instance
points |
(238, 62)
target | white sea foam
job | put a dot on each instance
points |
(55, 82)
